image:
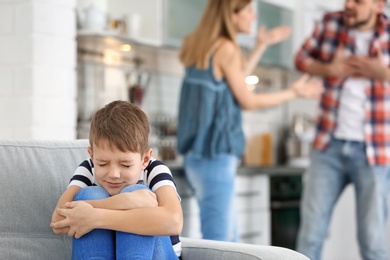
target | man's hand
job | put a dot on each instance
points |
(339, 66)
(369, 67)
(78, 216)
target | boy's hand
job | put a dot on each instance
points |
(78, 218)
(55, 218)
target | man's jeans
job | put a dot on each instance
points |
(103, 244)
(344, 162)
(212, 181)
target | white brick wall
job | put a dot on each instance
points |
(37, 69)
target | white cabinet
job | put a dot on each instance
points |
(157, 22)
(272, 14)
(180, 18)
(144, 19)
(252, 207)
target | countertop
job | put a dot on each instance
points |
(277, 170)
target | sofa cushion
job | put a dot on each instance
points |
(33, 175)
(194, 249)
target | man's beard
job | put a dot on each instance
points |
(361, 23)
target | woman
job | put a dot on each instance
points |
(214, 92)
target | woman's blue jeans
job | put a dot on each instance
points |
(212, 181)
(344, 162)
(103, 244)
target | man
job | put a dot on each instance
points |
(350, 50)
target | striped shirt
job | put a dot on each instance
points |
(321, 46)
(155, 175)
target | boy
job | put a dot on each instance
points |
(114, 214)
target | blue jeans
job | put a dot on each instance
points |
(212, 181)
(344, 162)
(103, 244)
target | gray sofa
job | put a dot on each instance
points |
(33, 175)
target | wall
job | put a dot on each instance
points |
(308, 12)
(37, 77)
(162, 93)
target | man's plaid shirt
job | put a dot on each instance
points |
(321, 46)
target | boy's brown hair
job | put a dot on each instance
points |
(121, 124)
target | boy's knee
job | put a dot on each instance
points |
(91, 193)
(134, 187)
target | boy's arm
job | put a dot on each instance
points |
(128, 200)
(164, 220)
(67, 196)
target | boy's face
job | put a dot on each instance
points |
(115, 169)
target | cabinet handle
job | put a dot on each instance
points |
(250, 235)
(248, 194)
(285, 204)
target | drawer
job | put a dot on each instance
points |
(254, 227)
(256, 239)
(189, 206)
(191, 227)
(252, 192)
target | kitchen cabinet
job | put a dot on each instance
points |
(144, 19)
(181, 17)
(252, 207)
(272, 15)
(156, 22)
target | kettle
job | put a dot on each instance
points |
(299, 140)
(91, 18)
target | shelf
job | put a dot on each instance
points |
(114, 40)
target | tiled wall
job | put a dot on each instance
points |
(161, 94)
(37, 69)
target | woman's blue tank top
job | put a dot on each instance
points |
(210, 121)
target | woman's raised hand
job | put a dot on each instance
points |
(272, 36)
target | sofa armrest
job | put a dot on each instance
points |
(195, 249)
